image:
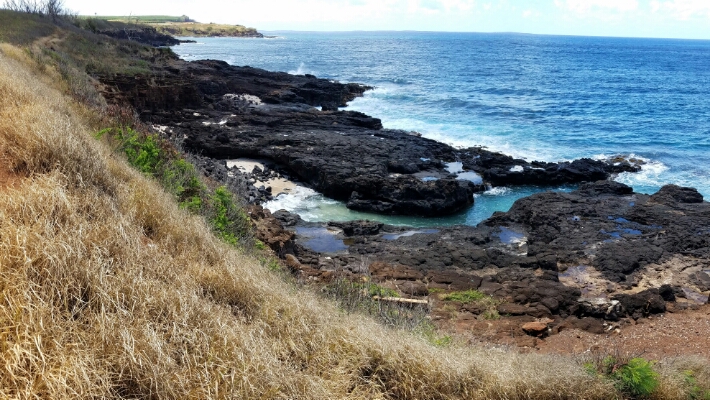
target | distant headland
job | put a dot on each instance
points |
(168, 25)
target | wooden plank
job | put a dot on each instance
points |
(401, 300)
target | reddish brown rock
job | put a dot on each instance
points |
(537, 328)
(411, 288)
(292, 262)
(514, 309)
(270, 231)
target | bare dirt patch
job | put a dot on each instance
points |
(667, 335)
(673, 334)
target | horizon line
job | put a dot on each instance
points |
(478, 32)
(419, 31)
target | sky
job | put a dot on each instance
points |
(688, 19)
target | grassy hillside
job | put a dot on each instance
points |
(199, 30)
(110, 289)
(147, 19)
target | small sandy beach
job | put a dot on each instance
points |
(278, 185)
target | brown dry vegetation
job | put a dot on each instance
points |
(109, 290)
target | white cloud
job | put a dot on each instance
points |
(586, 6)
(682, 9)
(347, 11)
(667, 18)
(531, 14)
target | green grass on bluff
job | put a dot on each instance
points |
(170, 25)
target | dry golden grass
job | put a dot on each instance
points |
(109, 290)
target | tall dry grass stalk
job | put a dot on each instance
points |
(108, 289)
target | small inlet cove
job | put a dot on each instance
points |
(535, 98)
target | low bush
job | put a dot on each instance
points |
(468, 296)
(635, 376)
(158, 159)
(485, 302)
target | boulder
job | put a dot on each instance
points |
(536, 328)
(453, 280)
(358, 228)
(605, 187)
(641, 304)
(671, 194)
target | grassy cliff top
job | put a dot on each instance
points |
(183, 26)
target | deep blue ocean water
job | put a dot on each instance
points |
(538, 97)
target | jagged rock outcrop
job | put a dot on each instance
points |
(223, 111)
(143, 34)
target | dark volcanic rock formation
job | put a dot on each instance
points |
(223, 111)
(602, 251)
(143, 34)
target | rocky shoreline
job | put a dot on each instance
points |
(595, 258)
(225, 112)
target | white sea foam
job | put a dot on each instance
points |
(302, 200)
(652, 174)
(517, 168)
(301, 70)
(497, 191)
(242, 99)
(377, 102)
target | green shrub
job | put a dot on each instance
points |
(155, 157)
(377, 290)
(182, 180)
(634, 377)
(142, 151)
(491, 314)
(468, 296)
(223, 207)
(429, 332)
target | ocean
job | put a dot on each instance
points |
(537, 97)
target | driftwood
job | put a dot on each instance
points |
(400, 300)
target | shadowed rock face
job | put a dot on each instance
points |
(223, 111)
(145, 35)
